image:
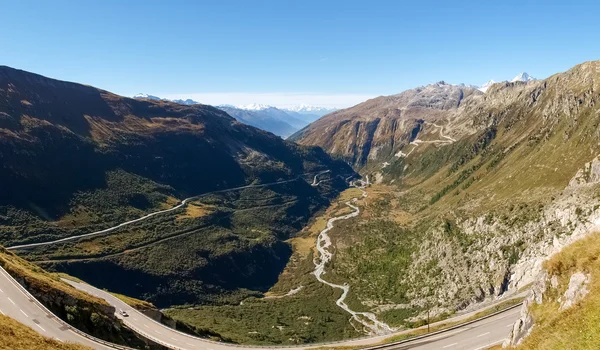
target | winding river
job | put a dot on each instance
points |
(367, 319)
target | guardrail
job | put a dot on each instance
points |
(58, 319)
(383, 346)
(306, 346)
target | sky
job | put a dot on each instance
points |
(282, 53)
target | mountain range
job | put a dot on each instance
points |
(78, 159)
(471, 191)
(523, 77)
(280, 121)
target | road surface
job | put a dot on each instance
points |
(473, 336)
(476, 336)
(15, 303)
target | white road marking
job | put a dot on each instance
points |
(447, 346)
(145, 325)
(1, 290)
(23, 312)
(490, 344)
(509, 325)
(2, 312)
(9, 299)
(481, 335)
(40, 327)
(158, 332)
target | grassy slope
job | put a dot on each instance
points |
(579, 326)
(14, 335)
(509, 174)
(83, 311)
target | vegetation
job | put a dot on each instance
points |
(83, 311)
(14, 335)
(221, 256)
(576, 327)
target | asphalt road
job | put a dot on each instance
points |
(15, 303)
(477, 335)
(183, 203)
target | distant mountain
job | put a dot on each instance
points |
(279, 121)
(187, 102)
(255, 107)
(380, 128)
(148, 97)
(269, 119)
(486, 86)
(312, 110)
(523, 77)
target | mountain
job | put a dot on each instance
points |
(280, 122)
(255, 107)
(188, 102)
(471, 195)
(147, 97)
(76, 159)
(523, 77)
(311, 110)
(380, 128)
(269, 119)
(486, 86)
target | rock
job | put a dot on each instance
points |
(576, 291)
(524, 324)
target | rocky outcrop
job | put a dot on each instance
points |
(376, 130)
(576, 290)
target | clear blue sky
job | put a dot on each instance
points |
(318, 47)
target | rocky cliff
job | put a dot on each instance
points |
(378, 129)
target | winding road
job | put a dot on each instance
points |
(180, 205)
(417, 141)
(473, 335)
(17, 303)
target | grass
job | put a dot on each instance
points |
(195, 210)
(89, 314)
(135, 303)
(577, 327)
(14, 335)
(34, 276)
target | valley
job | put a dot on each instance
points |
(461, 195)
(327, 175)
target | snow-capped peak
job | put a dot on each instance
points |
(486, 86)
(149, 97)
(523, 77)
(306, 109)
(254, 107)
